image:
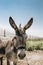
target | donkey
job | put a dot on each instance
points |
(16, 46)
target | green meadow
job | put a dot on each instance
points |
(34, 45)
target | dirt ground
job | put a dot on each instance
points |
(32, 58)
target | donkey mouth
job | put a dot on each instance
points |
(21, 56)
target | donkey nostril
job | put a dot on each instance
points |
(18, 55)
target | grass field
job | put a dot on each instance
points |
(34, 45)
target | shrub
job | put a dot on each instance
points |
(31, 48)
(34, 45)
(37, 47)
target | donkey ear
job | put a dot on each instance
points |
(12, 23)
(28, 24)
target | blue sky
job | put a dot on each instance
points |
(21, 11)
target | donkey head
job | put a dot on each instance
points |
(20, 36)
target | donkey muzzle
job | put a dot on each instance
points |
(21, 53)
